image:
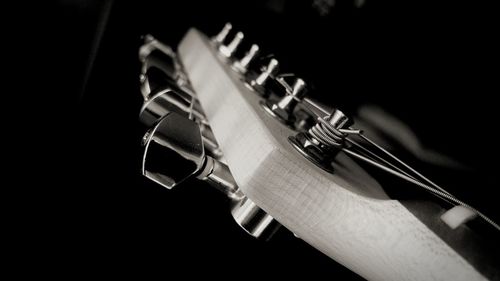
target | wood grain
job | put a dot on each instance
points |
(346, 215)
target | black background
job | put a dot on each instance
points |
(431, 64)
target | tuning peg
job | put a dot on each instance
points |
(258, 81)
(156, 56)
(221, 37)
(152, 79)
(228, 50)
(283, 109)
(321, 143)
(241, 66)
(151, 44)
(170, 100)
(168, 142)
(176, 141)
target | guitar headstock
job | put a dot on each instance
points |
(283, 158)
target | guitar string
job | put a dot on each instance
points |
(423, 185)
(374, 155)
(330, 136)
(403, 163)
(367, 151)
(437, 190)
(441, 190)
(398, 160)
(359, 133)
(323, 131)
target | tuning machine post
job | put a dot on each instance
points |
(257, 81)
(321, 143)
(222, 35)
(241, 66)
(283, 109)
(227, 50)
(176, 141)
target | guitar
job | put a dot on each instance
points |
(286, 161)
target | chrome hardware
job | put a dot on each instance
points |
(321, 143)
(253, 219)
(168, 96)
(168, 100)
(149, 86)
(172, 68)
(283, 110)
(169, 81)
(227, 51)
(178, 140)
(221, 37)
(259, 81)
(151, 44)
(241, 66)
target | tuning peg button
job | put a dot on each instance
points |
(169, 100)
(176, 140)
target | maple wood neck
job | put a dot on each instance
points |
(347, 215)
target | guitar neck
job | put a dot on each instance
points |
(346, 215)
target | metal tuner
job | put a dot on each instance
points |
(174, 152)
